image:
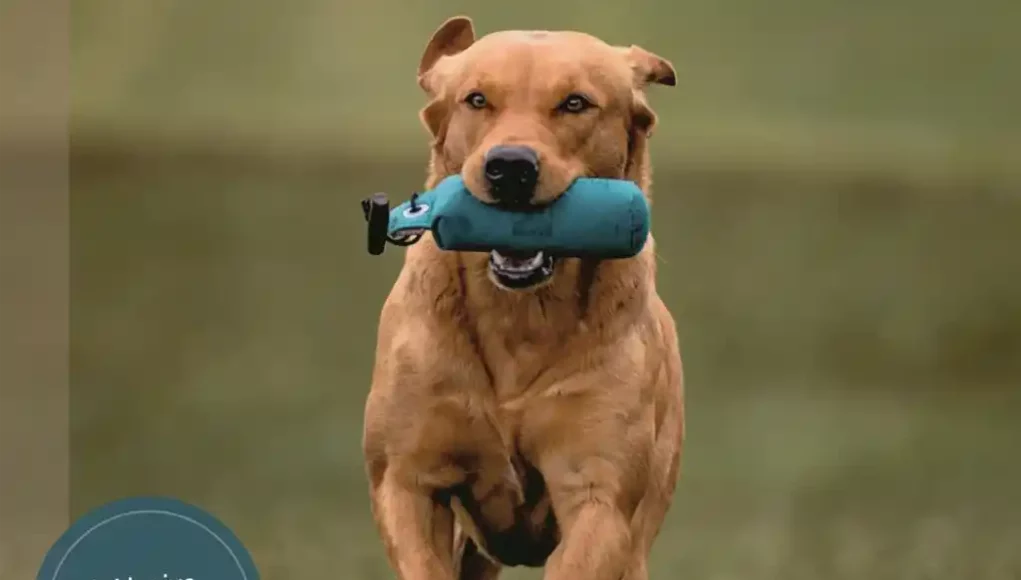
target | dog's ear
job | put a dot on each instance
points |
(452, 37)
(649, 68)
(643, 118)
(646, 68)
(643, 121)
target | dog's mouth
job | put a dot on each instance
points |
(520, 270)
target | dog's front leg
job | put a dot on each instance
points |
(425, 440)
(596, 543)
(591, 442)
(417, 531)
(586, 485)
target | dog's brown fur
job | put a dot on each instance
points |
(536, 427)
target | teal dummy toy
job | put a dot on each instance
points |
(595, 217)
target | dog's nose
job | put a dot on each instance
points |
(512, 172)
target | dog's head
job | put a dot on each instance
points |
(522, 114)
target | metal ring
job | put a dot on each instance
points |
(419, 209)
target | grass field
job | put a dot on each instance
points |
(920, 85)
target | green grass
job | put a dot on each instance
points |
(911, 85)
(850, 350)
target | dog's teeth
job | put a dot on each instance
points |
(514, 265)
(535, 261)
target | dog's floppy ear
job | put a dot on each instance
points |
(452, 37)
(649, 67)
(646, 68)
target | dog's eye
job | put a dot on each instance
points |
(476, 100)
(575, 103)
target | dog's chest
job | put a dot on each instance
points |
(514, 368)
(518, 346)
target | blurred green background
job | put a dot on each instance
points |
(838, 211)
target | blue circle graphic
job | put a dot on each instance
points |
(148, 538)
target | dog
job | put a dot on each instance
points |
(526, 410)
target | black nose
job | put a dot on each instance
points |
(512, 172)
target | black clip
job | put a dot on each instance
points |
(377, 215)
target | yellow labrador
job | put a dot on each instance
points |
(526, 409)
